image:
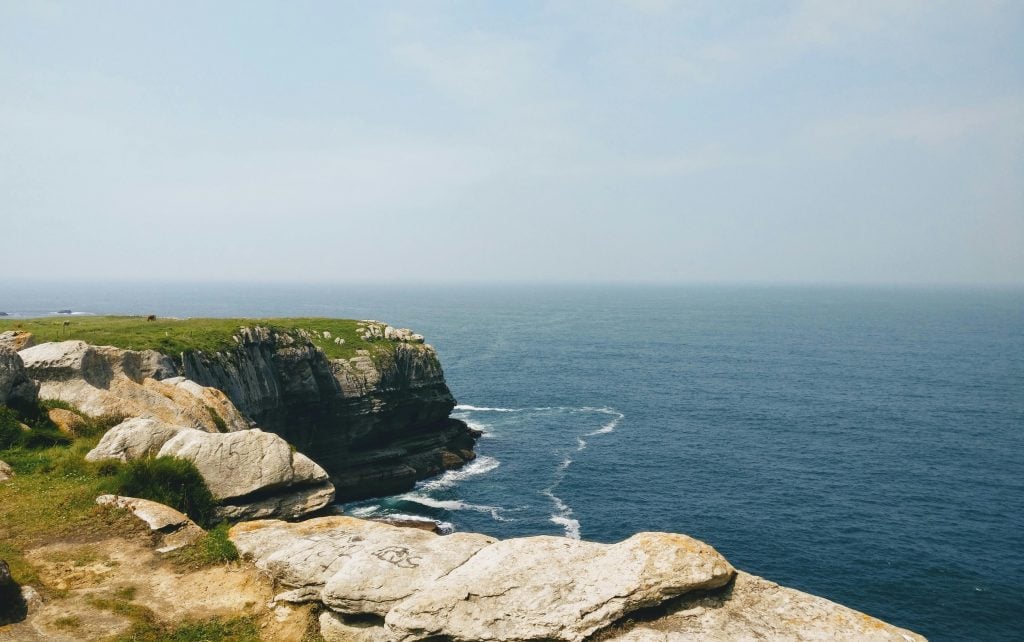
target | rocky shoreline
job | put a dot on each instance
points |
(374, 425)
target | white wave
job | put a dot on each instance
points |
(488, 409)
(581, 444)
(364, 511)
(562, 466)
(454, 505)
(478, 466)
(563, 514)
(571, 526)
(488, 433)
(610, 425)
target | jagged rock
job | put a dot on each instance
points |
(553, 588)
(17, 340)
(254, 472)
(102, 380)
(752, 608)
(393, 564)
(16, 387)
(6, 472)
(67, 422)
(175, 528)
(333, 628)
(134, 439)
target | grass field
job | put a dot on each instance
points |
(174, 336)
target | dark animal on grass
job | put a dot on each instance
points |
(151, 317)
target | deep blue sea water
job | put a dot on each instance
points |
(863, 444)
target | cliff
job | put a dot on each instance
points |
(377, 421)
(368, 402)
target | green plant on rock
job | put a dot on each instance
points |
(170, 481)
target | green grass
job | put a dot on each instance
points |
(52, 495)
(170, 481)
(174, 336)
(212, 549)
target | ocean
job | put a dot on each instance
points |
(862, 444)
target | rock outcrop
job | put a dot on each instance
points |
(386, 583)
(752, 608)
(377, 422)
(16, 387)
(174, 528)
(102, 380)
(253, 474)
(133, 439)
(554, 588)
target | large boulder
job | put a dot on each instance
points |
(752, 608)
(254, 473)
(553, 588)
(16, 387)
(103, 380)
(134, 438)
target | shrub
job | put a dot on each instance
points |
(42, 435)
(171, 481)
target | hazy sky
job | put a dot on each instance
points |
(640, 140)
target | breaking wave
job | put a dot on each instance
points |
(479, 466)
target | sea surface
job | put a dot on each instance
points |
(863, 444)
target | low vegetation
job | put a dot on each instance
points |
(52, 495)
(212, 549)
(174, 336)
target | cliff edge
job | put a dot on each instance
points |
(366, 401)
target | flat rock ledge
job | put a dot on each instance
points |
(175, 529)
(467, 586)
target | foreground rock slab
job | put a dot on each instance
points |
(552, 588)
(753, 608)
(302, 556)
(175, 528)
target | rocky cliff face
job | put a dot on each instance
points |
(377, 421)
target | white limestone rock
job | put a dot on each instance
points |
(753, 608)
(393, 564)
(335, 629)
(103, 380)
(241, 463)
(133, 439)
(553, 588)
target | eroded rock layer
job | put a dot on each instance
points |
(377, 422)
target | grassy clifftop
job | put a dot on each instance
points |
(173, 336)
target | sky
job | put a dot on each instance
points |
(614, 142)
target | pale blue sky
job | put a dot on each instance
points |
(643, 140)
